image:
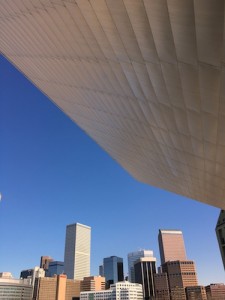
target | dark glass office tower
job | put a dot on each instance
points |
(55, 268)
(144, 270)
(113, 270)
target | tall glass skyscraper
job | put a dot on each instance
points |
(77, 251)
(113, 269)
(132, 258)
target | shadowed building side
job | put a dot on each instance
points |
(220, 233)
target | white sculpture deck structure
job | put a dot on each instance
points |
(144, 78)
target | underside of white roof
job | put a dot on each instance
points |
(144, 78)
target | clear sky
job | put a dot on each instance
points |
(52, 174)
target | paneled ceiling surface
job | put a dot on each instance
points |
(144, 78)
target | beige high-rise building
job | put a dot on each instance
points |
(77, 251)
(92, 283)
(56, 288)
(171, 245)
(180, 273)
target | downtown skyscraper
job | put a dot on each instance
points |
(77, 251)
(113, 270)
(144, 270)
(176, 272)
(132, 258)
(171, 245)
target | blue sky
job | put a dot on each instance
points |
(52, 174)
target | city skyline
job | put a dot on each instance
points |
(58, 172)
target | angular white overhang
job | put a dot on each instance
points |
(144, 78)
